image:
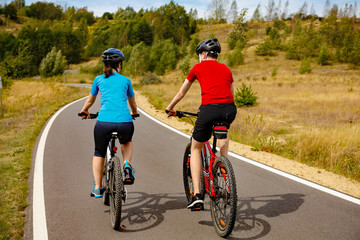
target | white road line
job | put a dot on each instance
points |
(270, 169)
(39, 215)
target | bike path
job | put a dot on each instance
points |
(270, 206)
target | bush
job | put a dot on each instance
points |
(150, 78)
(185, 66)
(265, 48)
(245, 96)
(305, 66)
(324, 55)
(235, 58)
(53, 64)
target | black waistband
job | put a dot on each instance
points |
(220, 104)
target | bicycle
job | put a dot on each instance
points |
(113, 177)
(217, 180)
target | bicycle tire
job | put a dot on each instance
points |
(105, 184)
(187, 179)
(223, 205)
(116, 191)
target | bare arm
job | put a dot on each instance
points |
(183, 90)
(133, 105)
(89, 102)
(232, 89)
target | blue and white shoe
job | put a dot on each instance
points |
(97, 193)
(128, 173)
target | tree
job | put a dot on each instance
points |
(324, 55)
(326, 11)
(43, 10)
(217, 10)
(238, 34)
(10, 11)
(19, 4)
(270, 8)
(53, 64)
(107, 15)
(284, 15)
(84, 13)
(140, 31)
(233, 12)
(302, 13)
(257, 14)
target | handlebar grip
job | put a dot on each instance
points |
(135, 116)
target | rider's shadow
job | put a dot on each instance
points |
(250, 222)
(143, 211)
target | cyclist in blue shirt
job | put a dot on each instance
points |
(114, 116)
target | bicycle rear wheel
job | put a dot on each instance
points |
(224, 204)
(116, 190)
(188, 184)
(105, 184)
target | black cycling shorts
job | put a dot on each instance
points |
(102, 130)
(208, 115)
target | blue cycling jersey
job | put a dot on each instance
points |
(114, 92)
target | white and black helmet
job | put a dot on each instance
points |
(210, 45)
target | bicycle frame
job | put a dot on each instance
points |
(207, 166)
(110, 154)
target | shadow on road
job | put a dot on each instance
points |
(143, 211)
(250, 211)
(249, 223)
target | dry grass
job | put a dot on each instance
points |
(27, 106)
(312, 118)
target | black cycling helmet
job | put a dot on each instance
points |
(210, 45)
(112, 55)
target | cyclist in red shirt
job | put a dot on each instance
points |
(217, 104)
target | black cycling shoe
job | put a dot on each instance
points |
(128, 173)
(197, 202)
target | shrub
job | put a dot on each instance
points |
(150, 78)
(53, 64)
(235, 58)
(324, 55)
(305, 66)
(185, 65)
(245, 96)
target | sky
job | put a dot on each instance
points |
(202, 6)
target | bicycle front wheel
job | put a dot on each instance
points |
(188, 183)
(224, 204)
(116, 191)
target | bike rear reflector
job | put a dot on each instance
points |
(114, 149)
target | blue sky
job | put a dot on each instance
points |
(99, 7)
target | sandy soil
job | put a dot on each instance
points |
(313, 174)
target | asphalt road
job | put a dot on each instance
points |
(270, 206)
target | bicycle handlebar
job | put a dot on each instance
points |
(95, 115)
(181, 114)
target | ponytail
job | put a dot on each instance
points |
(108, 68)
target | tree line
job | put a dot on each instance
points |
(157, 34)
(155, 40)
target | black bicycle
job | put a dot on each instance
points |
(113, 177)
(217, 180)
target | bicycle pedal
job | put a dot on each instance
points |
(197, 208)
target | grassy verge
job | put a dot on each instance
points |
(27, 106)
(312, 118)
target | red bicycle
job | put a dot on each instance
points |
(218, 180)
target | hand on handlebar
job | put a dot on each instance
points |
(134, 116)
(170, 112)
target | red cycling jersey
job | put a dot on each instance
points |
(215, 81)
